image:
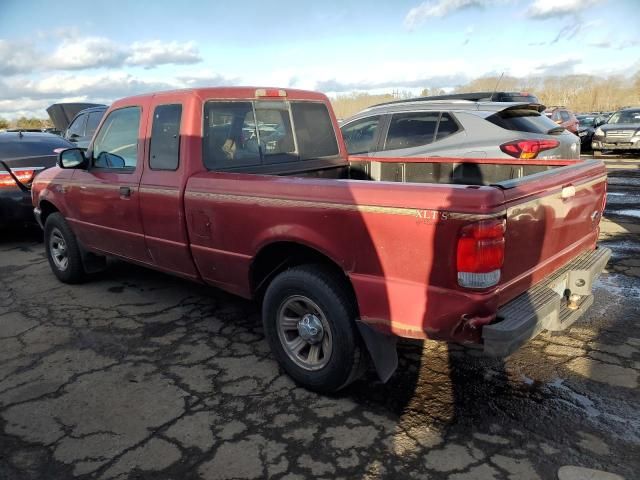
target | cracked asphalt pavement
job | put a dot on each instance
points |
(140, 375)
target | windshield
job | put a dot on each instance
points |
(625, 116)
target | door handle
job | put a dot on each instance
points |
(125, 192)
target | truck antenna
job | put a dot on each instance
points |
(496, 87)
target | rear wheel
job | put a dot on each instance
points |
(308, 318)
(62, 250)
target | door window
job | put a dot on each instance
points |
(360, 135)
(408, 130)
(92, 123)
(116, 144)
(564, 115)
(164, 150)
(76, 129)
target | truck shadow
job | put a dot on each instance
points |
(444, 387)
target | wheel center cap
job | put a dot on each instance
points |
(310, 328)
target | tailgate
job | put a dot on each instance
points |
(552, 217)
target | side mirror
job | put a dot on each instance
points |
(72, 158)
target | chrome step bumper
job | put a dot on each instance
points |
(544, 306)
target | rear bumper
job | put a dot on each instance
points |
(15, 207)
(542, 307)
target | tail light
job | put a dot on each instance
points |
(528, 148)
(480, 253)
(25, 175)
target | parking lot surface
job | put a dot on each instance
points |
(141, 375)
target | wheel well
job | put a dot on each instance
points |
(46, 209)
(279, 256)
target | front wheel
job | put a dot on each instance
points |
(308, 318)
(62, 250)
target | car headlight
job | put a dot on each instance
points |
(599, 132)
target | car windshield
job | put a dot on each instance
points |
(625, 116)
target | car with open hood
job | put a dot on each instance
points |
(77, 121)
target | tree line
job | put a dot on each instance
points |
(579, 93)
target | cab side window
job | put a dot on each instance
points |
(164, 150)
(116, 144)
(76, 129)
(360, 135)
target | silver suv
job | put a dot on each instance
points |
(458, 128)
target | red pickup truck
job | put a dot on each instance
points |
(251, 190)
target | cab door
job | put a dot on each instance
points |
(105, 198)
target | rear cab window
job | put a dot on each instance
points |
(264, 135)
(522, 120)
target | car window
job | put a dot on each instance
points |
(76, 129)
(275, 132)
(164, 148)
(446, 127)
(230, 138)
(360, 135)
(116, 144)
(408, 130)
(564, 115)
(92, 123)
(523, 120)
(314, 130)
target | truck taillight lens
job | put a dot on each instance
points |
(480, 253)
(24, 175)
(270, 92)
(528, 148)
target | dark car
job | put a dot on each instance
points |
(587, 125)
(78, 121)
(621, 133)
(26, 154)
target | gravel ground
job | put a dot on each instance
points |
(140, 375)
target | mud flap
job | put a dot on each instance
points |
(382, 350)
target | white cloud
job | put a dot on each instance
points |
(153, 53)
(16, 57)
(89, 52)
(543, 9)
(440, 8)
(79, 53)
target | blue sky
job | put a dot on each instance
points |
(100, 51)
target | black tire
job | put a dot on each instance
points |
(57, 228)
(331, 294)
